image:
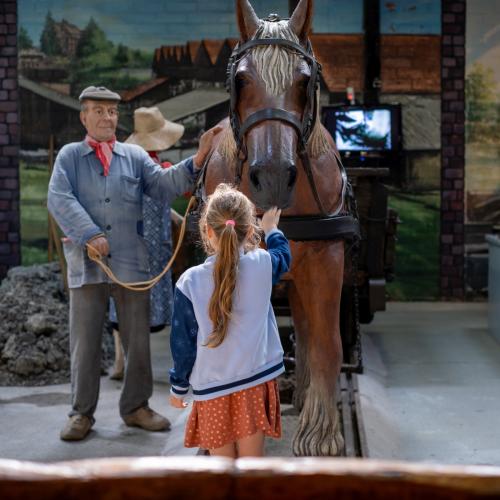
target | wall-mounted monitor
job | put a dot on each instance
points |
(370, 129)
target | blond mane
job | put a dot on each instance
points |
(276, 67)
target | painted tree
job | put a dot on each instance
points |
(49, 43)
(24, 41)
(482, 107)
(93, 41)
(480, 93)
(122, 56)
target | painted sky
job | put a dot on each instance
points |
(153, 23)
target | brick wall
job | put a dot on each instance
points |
(9, 139)
(410, 63)
(453, 149)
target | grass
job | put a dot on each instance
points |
(417, 248)
(34, 214)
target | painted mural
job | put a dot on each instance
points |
(482, 178)
(173, 53)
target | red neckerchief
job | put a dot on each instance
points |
(103, 151)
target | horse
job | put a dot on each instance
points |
(274, 148)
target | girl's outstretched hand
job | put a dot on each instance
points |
(270, 219)
(177, 402)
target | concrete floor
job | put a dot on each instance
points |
(431, 386)
(430, 392)
(32, 417)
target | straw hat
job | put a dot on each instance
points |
(152, 132)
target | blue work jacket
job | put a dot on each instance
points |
(86, 203)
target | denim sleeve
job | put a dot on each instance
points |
(183, 338)
(64, 206)
(166, 184)
(279, 249)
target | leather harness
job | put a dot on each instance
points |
(340, 224)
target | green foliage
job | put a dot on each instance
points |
(417, 249)
(93, 41)
(24, 41)
(99, 62)
(483, 106)
(479, 90)
(122, 55)
(34, 214)
(49, 43)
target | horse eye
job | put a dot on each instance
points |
(240, 81)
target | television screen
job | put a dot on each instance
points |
(363, 129)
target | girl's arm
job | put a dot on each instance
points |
(277, 244)
(279, 249)
(182, 343)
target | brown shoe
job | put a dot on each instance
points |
(147, 419)
(76, 428)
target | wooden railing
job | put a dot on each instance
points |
(269, 478)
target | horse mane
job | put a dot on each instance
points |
(276, 66)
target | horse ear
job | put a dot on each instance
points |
(248, 22)
(301, 19)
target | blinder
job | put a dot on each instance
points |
(304, 127)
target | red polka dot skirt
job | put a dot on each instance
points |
(217, 422)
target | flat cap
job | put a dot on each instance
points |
(99, 94)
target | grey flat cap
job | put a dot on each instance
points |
(99, 94)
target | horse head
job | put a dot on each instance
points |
(273, 81)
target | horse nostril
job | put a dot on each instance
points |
(292, 175)
(255, 180)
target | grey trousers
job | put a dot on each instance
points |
(88, 308)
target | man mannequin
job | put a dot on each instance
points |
(95, 195)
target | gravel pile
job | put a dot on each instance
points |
(34, 328)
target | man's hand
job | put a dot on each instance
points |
(205, 146)
(177, 402)
(270, 219)
(100, 243)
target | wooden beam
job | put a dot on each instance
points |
(263, 478)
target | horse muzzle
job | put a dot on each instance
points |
(272, 184)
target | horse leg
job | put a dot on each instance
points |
(318, 281)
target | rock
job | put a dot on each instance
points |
(56, 359)
(9, 349)
(32, 363)
(40, 324)
(26, 338)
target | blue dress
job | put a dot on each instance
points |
(158, 238)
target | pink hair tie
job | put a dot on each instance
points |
(230, 222)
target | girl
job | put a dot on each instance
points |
(224, 339)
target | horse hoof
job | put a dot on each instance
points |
(318, 433)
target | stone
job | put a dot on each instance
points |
(40, 324)
(32, 363)
(9, 349)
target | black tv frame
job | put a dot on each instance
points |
(370, 157)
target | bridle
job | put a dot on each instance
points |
(302, 127)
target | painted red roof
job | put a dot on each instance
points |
(129, 95)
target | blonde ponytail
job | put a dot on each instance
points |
(225, 274)
(231, 215)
